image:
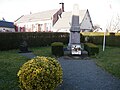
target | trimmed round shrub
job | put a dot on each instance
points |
(40, 73)
(57, 44)
(57, 49)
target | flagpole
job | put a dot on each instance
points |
(104, 40)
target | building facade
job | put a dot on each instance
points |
(52, 21)
(64, 23)
(38, 22)
(6, 26)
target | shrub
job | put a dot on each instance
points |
(82, 38)
(91, 48)
(57, 49)
(40, 73)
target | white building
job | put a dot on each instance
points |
(6, 26)
(52, 21)
(38, 22)
(63, 24)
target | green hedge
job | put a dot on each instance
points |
(12, 40)
(112, 39)
(57, 49)
(91, 48)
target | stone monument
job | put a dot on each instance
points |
(74, 38)
(24, 47)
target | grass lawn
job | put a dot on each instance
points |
(42, 51)
(109, 60)
(10, 62)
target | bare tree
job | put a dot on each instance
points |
(114, 24)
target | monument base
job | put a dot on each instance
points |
(68, 55)
(67, 52)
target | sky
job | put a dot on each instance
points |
(101, 11)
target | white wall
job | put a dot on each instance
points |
(33, 26)
(4, 29)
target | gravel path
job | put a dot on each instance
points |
(85, 75)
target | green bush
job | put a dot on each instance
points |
(91, 48)
(82, 38)
(40, 73)
(57, 44)
(57, 49)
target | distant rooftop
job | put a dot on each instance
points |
(40, 16)
(6, 24)
(65, 21)
(46, 15)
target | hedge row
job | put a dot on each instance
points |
(91, 48)
(13, 40)
(112, 39)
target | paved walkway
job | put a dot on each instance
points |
(83, 75)
(28, 55)
(86, 75)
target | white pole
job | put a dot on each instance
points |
(104, 40)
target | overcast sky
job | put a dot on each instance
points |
(100, 10)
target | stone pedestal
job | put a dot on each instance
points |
(74, 39)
